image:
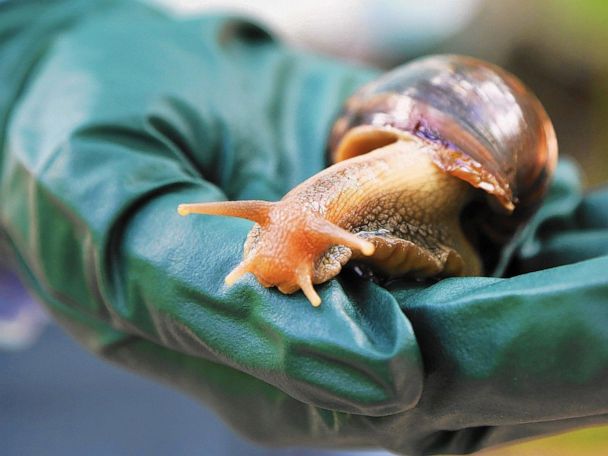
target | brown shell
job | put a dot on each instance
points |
(495, 133)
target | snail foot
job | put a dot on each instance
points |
(396, 257)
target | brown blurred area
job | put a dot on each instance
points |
(560, 49)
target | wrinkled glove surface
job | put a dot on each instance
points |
(112, 114)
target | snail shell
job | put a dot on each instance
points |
(496, 134)
(412, 152)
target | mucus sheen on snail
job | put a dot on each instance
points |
(411, 151)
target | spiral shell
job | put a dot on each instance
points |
(495, 133)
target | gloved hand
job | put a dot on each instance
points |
(118, 113)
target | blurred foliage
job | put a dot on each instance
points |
(575, 41)
(558, 48)
(585, 22)
(584, 442)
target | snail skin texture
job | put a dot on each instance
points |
(431, 161)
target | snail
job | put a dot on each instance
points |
(432, 163)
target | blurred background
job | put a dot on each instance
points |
(557, 47)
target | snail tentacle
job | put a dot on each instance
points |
(304, 280)
(333, 234)
(240, 270)
(255, 210)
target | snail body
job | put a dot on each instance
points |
(412, 151)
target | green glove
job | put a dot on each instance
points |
(119, 113)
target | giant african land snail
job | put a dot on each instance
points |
(411, 151)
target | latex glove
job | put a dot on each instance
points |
(121, 113)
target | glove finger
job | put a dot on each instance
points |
(355, 353)
(505, 350)
(568, 228)
(105, 156)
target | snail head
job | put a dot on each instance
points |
(283, 248)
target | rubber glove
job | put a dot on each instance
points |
(118, 113)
